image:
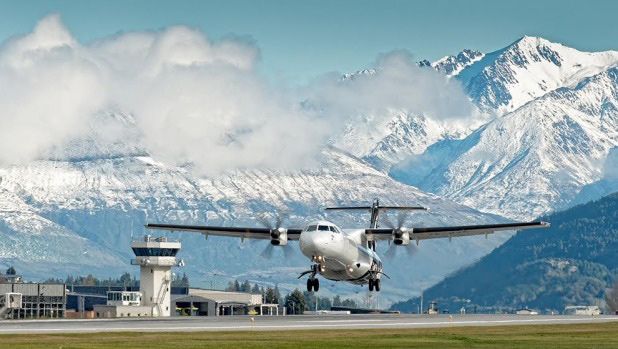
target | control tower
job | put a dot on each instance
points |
(156, 256)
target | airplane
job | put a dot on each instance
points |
(348, 254)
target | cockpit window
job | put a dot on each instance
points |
(333, 229)
(312, 228)
(323, 227)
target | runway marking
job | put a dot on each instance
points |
(258, 327)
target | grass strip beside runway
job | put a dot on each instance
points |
(597, 335)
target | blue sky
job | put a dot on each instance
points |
(302, 39)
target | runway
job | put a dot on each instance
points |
(274, 323)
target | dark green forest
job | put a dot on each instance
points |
(572, 262)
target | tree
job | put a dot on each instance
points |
(89, 281)
(69, 280)
(324, 303)
(11, 271)
(349, 303)
(237, 286)
(181, 281)
(246, 287)
(256, 289)
(230, 287)
(185, 280)
(271, 297)
(309, 299)
(611, 298)
(295, 302)
(125, 279)
(278, 298)
(337, 301)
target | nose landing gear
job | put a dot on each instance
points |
(313, 284)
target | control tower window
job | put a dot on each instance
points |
(156, 252)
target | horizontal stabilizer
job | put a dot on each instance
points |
(381, 208)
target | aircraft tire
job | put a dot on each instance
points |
(316, 284)
(377, 285)
(309, 285)
(370, 285)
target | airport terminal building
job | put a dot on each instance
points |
(32, 301)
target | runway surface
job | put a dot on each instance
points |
(272, 323)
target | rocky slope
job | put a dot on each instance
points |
(529, 161)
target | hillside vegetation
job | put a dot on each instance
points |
(570, 263)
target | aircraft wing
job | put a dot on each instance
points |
(238, 232)
(455, 231)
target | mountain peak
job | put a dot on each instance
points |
(530, 67)
(452, 65)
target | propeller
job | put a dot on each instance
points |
(267, 253)
(391, 252)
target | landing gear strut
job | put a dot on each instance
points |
(371, 245)
(313, 284)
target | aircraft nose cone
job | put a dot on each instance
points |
(314, 243)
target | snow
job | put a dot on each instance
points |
(529, 68)
(532, 160)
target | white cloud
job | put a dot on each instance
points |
(395, 82)
(47, 86)
(193, 100)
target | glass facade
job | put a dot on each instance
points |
(123, 296)
(156, 252)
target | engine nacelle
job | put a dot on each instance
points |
(401, 237)
(279, 237)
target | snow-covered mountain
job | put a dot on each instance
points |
(453, 65)
(531, 67)
(388, 138)
(77, 212)
(529, 161)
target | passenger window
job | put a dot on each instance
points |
(323, 227)
(312, 228)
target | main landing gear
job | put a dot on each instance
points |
(374, 284)
(313, 284)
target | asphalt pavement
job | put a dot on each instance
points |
(279, 323)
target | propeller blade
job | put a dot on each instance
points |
(401, 219)
(281, 216)
(388, 222)
(411, 250)
(264, 221)
(267, 253)
(288, 251)
(391, 251)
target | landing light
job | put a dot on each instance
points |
(350, 270)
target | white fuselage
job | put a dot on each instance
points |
(341, 255)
